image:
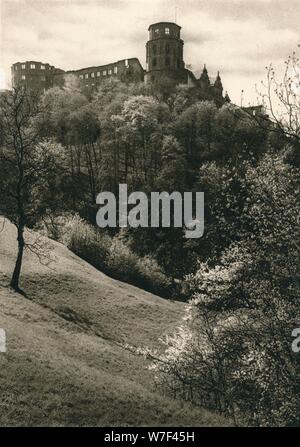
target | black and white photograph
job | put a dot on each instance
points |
(149, 216)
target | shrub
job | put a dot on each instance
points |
(111, 255)
(141, 271)
(153, 276)
(80, 237)
(122, 262)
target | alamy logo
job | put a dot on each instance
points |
(2, 340)
(165, 210)
(296, 342)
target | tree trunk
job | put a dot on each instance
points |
(17, 270)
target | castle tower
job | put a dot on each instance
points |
(165, 53)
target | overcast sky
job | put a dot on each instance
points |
(237, 37)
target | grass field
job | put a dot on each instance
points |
(67, 362)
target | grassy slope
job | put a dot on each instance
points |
(66, 360)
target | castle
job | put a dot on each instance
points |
(164, 60)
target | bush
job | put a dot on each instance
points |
(141, 271)
(153, 276)
(122, 262)
(111, 255)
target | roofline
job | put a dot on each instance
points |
(164, 23)
(32, 62)
(94, 67)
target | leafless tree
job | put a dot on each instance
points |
(20, 166)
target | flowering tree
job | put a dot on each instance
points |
(233, 351)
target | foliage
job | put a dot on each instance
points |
(233, 351)
(108, 254)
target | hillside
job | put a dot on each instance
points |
(67, 362)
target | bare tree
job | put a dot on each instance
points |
(19, 165)
(281, 97)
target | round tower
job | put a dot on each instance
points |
(164, 53)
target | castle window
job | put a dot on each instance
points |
(23, 77)
(126, 63)
(104, 73)
(80, 76)
(98, 74)
(167, 30)
(115, 70)
(167, 48)
(42, 67)
(157, 31)
(92, 75)
(154, 49)
(167, 62)
(23, 66)
(154, 62)
(86, 76)
(32, 66)
(109, 72)
(178, 63)
(15, 67)
(43, 78)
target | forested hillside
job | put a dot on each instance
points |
(232, 352)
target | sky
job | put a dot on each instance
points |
(237, 37)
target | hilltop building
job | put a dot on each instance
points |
(42, 76)
(164, 60)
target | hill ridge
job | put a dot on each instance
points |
(69, 358)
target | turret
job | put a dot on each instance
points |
(227, 98)
(218, 86)
(204, 80)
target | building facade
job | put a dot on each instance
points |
(164, 60)
(41, 76)
(33, 74)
